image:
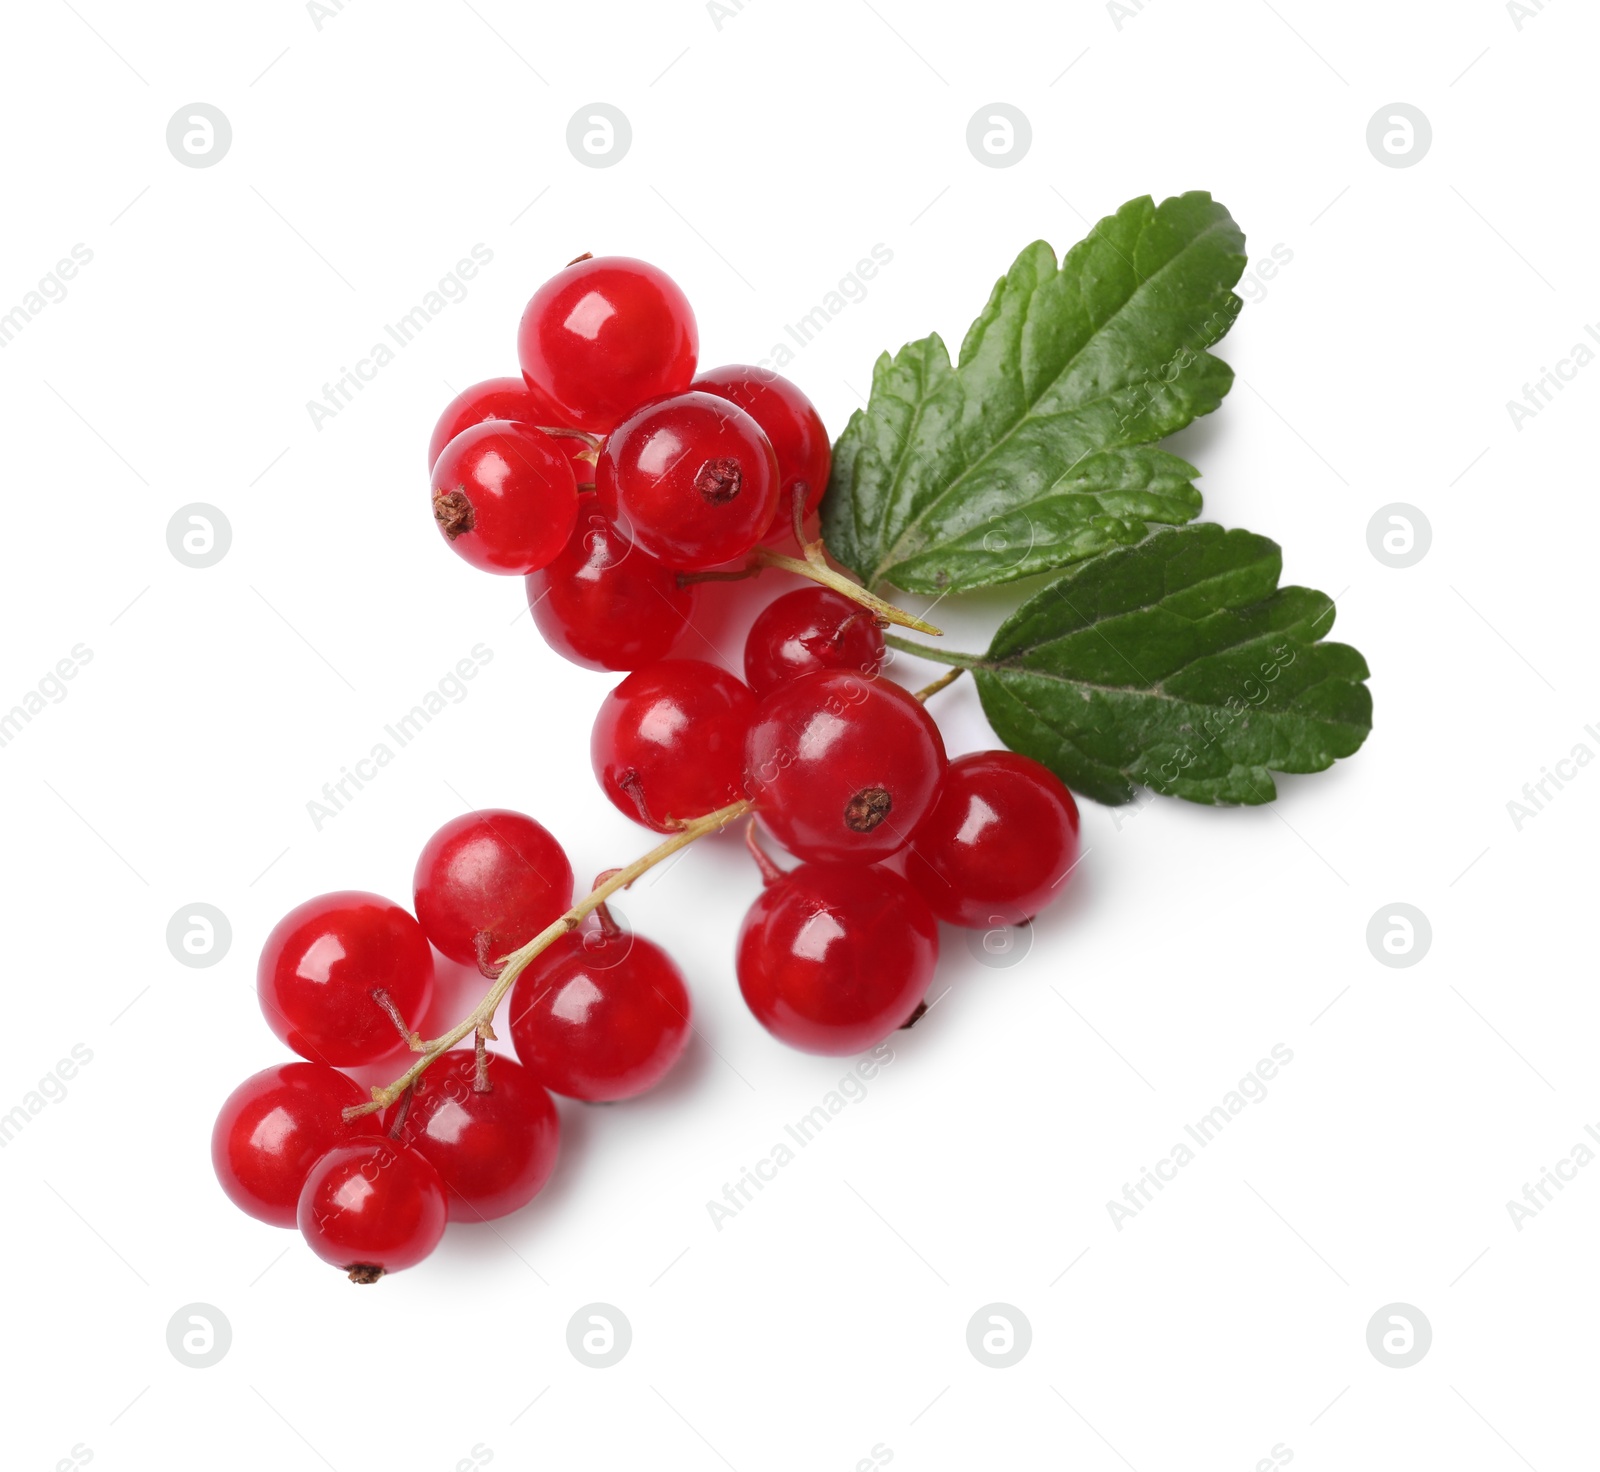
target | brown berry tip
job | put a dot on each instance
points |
(588, 255)
(365, 1272)
(453, 512)
(867, 809)
(915, 1017)
(719, 480)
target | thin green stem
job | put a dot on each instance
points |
(935, 686)
(929, 651)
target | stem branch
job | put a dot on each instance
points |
(512, 966)
(685, 579)
(592, 441)
(815, 567)
(932, 652)
(949, 677)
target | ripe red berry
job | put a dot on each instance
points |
(330, 966)
(997, 844)
(604, 603)
(692, 479)
(504, 497)
(790, 421)
(494, 1148)
(832, 958)
(604, 335)
(488, 882)
(668, 742)
(274, 1127)
(372, 1208)
(601, 1015)
(494, 398)
(842, 766)
(806, 630)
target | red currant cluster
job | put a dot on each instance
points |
(614, 479)
(597, 1015)
(687, 474)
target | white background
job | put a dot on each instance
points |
(830, 1316)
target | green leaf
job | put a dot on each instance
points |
(1036, 451)
(1180, 665)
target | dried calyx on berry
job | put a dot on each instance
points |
(842, 766)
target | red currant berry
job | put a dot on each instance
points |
(601, 1015)
(832, 958)
(810, 629)
(488, 882)
(494, 398)
(494, 1147)
(512, 400)
(668, 742)
(337, 970)
(997, 844)
(372, 1208)
(605, 604)
(692, 479)
(504, 497)
(274, 1127)
(842, 766)
(605, 335)
(790, 421)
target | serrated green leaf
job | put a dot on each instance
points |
(1036, 451)
(1179, 665)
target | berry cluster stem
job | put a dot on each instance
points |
(933, 687)
(480, 1019)
(933, 652)
(815, 566)
(593, 442)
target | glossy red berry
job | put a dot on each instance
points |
(668, 742)
(494, 398)
(329, 967)
(790, 421)
(274, 1127)
(691, 479)
(806, 630)
(832, 958)
(372, 1208)
(601, 1015)
(494, 1147)
(998, 844)
(504, 497)
(601, 337)
(488, 882)
(842, 766)
(604, 603)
